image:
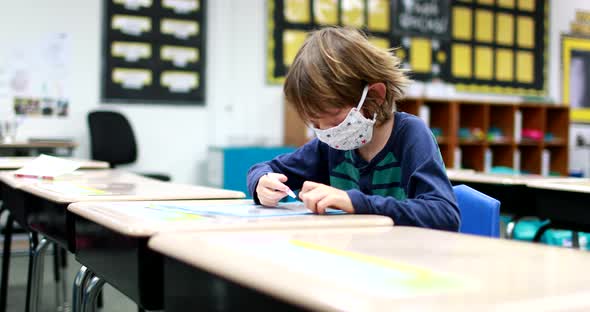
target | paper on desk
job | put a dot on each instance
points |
(169, 212)
(47, 167)
(245, 210)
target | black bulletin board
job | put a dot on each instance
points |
(485, 46)
(153, 52)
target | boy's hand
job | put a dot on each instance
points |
(270, 189)
(317, 197)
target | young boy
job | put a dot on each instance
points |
(367, 158)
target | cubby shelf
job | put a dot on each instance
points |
(496, 130)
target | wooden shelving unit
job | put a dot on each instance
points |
(510, 150)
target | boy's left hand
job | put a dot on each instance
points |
(317, 197)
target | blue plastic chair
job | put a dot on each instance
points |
(480, 213)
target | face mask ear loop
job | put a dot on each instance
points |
(363, 97)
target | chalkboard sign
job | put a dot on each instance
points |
(426, 18)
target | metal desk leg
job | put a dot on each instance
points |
(91, 293)
(36, 260)
(60, 279)
(84, 274)
(57, 277)
(6, 252)
(33, 242)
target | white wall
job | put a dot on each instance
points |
(240, 107)
(24, 23)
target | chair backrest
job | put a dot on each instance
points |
(480, 213)
(111, 138)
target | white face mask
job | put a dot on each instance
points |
(353, 132)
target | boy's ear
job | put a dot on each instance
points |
(378, 89)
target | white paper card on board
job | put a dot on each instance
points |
(181, 6)
(47, 167)
(179, 82)
(131, 25)
(179, 28)
(131, 52)
(134, 4)
(134, 79)
(179, 56)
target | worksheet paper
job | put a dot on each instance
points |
(178, 212)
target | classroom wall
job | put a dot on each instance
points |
(561, 15)
(240, 107)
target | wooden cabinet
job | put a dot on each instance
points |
(484, 136)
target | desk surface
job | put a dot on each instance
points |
(579, 185)
(112, 185)
(39, 144)
(504, 179)
(458, 172)
(380, 269)
(8, 163)
(142, 219)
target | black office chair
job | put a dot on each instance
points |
(112, 140)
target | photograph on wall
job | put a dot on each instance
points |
(580, 79)
(575, 56)
(37, 76)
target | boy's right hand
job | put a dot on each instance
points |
(270, 189)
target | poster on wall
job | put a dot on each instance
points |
(575, 58)
(153, 52)
(35, 81)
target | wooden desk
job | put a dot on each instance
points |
(117, 232)
(12, 163)
(565, 203)
(145, 218)
(458, 172)
(45, 201)
(378, 269)
(13, 201)
(40, 205)
(32, 148)
(511, 190)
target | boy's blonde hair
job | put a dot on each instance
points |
(332, 68)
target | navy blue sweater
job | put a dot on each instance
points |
(405, 181)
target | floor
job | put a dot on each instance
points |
(113, 300)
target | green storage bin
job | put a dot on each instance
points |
(525, 230)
